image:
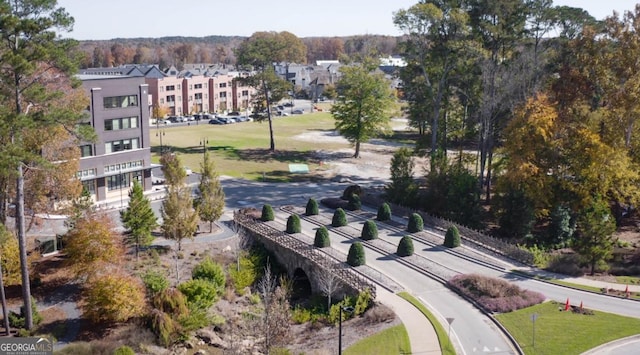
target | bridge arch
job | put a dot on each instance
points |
(301, 284)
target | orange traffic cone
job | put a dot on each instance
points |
(567, 305)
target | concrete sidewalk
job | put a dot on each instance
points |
(422, 335)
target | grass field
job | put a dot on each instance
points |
(242, 149)
(394, 340)
(565, 333)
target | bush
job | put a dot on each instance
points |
(124, 350)
(415, 223)
(267, 213)
(452, 238)
(356, 255)
(339, 218)
(17, 320)
(202, 293)
(405, 247)
(293, 224)
(209, 270)
(322, 238)
(351, 190)
(170, 301)
(312, 208)
(354, 203)
(384, 212)
(155, 281)
(369, 230)
(362, 302)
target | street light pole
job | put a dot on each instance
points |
(346, 309)
(203, 143)
(160, 134)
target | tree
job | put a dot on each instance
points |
(210, 202)
(369, 230)
(384, 212)
(561, 228)
(93, 242)
(595, 240)
(276, 309)
(328, 284)
(267, 213)
(180, 219)
(339, 218)
(354, 203)
(415, 223)
(260, 51)
(321, 239)
(402, 188)
(211, 271)
(312, 207)
(10, 257)
(452, 237)
(113, 297)
(138, 218)
(356, 255)
(31, 55)
(362, 109)
(436, 39)
(405, 247)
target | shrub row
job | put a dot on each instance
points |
(494, 295)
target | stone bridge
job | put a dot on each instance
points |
(303, 262)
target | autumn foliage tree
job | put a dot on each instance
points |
(113, 297)
(180, 219)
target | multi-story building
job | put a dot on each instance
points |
(119, 114)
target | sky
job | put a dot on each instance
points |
(199, 18)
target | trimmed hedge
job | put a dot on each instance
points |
(339, 218)
(405, 247)
(351, 190)
(293, 224)
(384, 212)
(312, 208)
(267, 213)
(452, 238)
(415, 223)
(356, 255)
(354, 203)
(322, 238)
(369, 230)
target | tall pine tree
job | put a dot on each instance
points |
(210, 202)
(138, 218)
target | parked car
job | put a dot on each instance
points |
(280, 107)
(298, 111)
(163, 122)
(234, 113)
(190, 118)
(288, 104)
(225, 119)
(242, 119)
(215, 121)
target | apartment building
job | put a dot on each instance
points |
(119, 114)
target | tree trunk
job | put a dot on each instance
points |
(22, 242)
(4, 303)
(211, 227)
(272, 146)
(357, 152)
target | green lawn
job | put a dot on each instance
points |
(559, 332)
(242, 149)
(394, 340)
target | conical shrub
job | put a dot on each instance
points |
(452, 238)
(354, 203)
(339, 218)
(293, 224)
(322, 238)
(267, 213)
(356, 255)
(384, 212)
(415, 223)
(312, 208)
(405, 248)
(369, 230)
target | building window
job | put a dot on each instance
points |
(178, 86)
(121, 123)
(86, 150)
(223, 85)
(205, 85)
(171, 87)
(245, 92)
(190, 98)
(171, 98)
(121, 145)
(89, 186)
(162, 101)
(123, 166)
(206, 96)
(198, 96)
(83, 174)
(190, 87)
(223, 94)
(117, 182)
(161, 88)
(120, 101)
(197, 86)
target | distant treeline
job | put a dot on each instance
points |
(167, 51)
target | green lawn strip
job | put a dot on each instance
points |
(568, 284)
(559, 332)
(628, 280)
(242, 149)
(394, 340)
(443, 339)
